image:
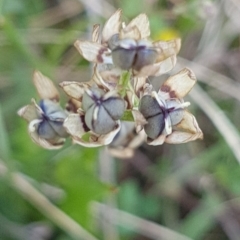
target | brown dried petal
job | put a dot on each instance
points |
(76, 128)
(45, 87)
(28, 112)
(158, 141)
(187, 130)
(142, 23)
(94, 52)
(167, 48)
(75, 89)
(178, 85)
(157, 69)
(106, 79)
(138, 85)
(112, 26)
(96, 33)
(130, 33)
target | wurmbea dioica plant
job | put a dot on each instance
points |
(117, 107)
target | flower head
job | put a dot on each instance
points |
(167, 119)
(97, 121)
(128, 47)
(117, 107)
(46, 118)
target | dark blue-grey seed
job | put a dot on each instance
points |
(102, 124)
(144, 56)
(46, 131)
(155, 126)
(115, 107)
(149, 106)
(88, 101)
(123, 58)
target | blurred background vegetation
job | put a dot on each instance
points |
(168, 192)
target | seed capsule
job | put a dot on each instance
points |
(128, 53)
(52, 117)
(101, 113)
(157, 112)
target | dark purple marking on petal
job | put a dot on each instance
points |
(172, 94)
(85, 127)
(165, 88)
(100, 53)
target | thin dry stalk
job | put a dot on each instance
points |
(218, 118)
(212, 78)
(142, 226)
(38, 200)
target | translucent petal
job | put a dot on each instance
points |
(75, 125)
(75, 89)
(141, 21)
(94, 52)
(97, 141)
(45, 87)
(131, 32)
(179, 84)
(158, 141)
(112, 26)
(96, 33)
(158, 68)
(187, 130)
(28, 112)
(167, 48)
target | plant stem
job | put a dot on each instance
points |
(124, 81)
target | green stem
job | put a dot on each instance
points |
(124, 80)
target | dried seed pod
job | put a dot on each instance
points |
(52, 117)
(133, 54)
(158, 113)
(102, 111)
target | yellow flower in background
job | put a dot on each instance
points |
(166, 34)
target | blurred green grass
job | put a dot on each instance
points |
(191, 188)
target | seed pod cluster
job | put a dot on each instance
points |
(129, 53)
(102, 111)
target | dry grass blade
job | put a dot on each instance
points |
(218, 118)
(212, 78)
(101, 8)
(37, 199)
(65, 10)
(142, 226)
